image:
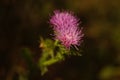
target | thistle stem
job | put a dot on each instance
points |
(51, 61)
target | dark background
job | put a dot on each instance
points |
(23, 22)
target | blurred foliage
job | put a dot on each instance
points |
(52, 52)
(22, 22)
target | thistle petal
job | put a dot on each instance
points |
(65, 26)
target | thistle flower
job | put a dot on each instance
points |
(65, 26)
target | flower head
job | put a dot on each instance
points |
(65, 26)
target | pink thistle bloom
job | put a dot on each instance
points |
(65, 26)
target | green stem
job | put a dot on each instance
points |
(50, 62)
